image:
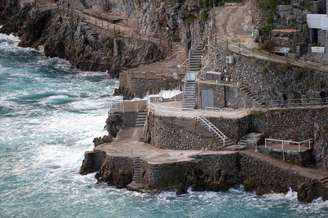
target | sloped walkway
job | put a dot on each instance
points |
(316, 174)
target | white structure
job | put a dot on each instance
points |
(317, 21)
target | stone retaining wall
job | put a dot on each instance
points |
(215, 172)
(187, 133)
(267, 80)
(295, 123)
(263, 177)
(138, 84)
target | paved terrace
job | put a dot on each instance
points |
(127, 144)
(174, 108)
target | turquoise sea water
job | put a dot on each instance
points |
(49, 114)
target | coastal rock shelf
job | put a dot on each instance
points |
(177, 170)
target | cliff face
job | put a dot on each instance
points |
(89, 47)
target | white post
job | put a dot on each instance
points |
(283, 153)
(265, 145)
(299, 147)
(310, 144)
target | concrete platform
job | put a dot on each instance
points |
(128, 144)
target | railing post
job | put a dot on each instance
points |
(283, 152)
(299, 147)
(265, 144)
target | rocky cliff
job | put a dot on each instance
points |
(64, 33)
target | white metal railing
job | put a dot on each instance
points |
(269, 141)
(172, 111)
(116, 105)
(213, 128)
(122, 106)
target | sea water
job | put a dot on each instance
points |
(49, 114)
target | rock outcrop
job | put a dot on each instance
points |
(68, 36)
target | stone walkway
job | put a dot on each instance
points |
(175, 109)
(127, 144)
(306, 172)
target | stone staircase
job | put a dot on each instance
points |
(324, 182)
(212, 129)
(189, 95)
(195, 59)
(255, 99)
(190, 84)
(141, 119)
(251, 139)
(138, 171)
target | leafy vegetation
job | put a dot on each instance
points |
(268, 8)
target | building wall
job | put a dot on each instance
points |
(225, 95)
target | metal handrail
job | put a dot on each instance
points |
(213, 127)
(288, 142)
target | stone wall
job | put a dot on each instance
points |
(210, 171)
(268, 80)
(303, 158)
(295, 123)
(214, 172)
(187, 133)
(140, 83)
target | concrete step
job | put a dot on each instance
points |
(324, 180)
(138, 171)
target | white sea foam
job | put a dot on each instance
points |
(290, 196)
(10, 38)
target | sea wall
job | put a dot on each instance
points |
(214, 172)
(264, 177)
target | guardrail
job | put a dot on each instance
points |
(306, 143)
(172, 111)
